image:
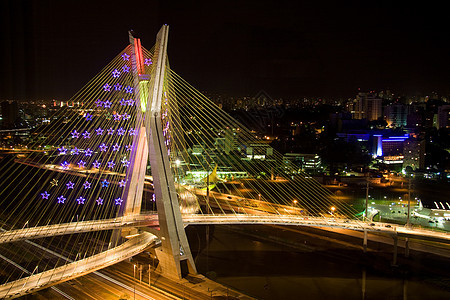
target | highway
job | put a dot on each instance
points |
(75, 269)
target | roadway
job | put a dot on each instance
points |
(274, 219)
(78, 268)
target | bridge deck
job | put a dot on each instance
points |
(78, 268)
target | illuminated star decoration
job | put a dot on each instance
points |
(62, 151)
(99, 103)
(110, 131)
(132, 131)
(122, 183)
(128, 147)
(99, 131)
(65, 165)
(99, 201)
(70, 185)
(120, 131)
(129, 89)
(81, 164)
(45, 195)
(123, 101)
(125, 56)
(103, 147)
(86, 135)
(96, 164)
(116, 147)
(61, 199)
(125, 116)
(75, 134)
(126, 163)
(54, 182)
(88, 117)
(111, 164)
(88, 152)
(105, 183)
(148, 61)
(153, 198)
(87, 185)
(75, 151)
(130, 102)
(126, 69)
(81, 200)
(118, 201)
(107, 104)
(117, 87)
(106, 88)
(115, 73)
(117, 117)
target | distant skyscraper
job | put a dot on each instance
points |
(366, 106)
(396, 114)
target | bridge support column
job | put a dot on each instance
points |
(406, 247)
(394, 259)
(174, 255)
(365, 241)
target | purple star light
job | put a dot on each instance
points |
(118, 201)
(61, 199)
(75, 134)
(148, 61)
(45, 195)
(115, 73)
(88, 152)
(106, 88)
(96, 164)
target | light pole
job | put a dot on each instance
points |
(134, 281)
(365, 217)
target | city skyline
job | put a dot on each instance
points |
(287, 49)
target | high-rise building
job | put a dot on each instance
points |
(414, 154)
(366, 106)
(396, 114)
(443, 116)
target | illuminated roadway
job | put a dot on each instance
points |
(139, 243)
(39, 281)
(196, 219)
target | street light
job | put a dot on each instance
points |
(332, 209)
(295, 202)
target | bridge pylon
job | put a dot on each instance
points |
(174, 255)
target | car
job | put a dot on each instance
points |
(388, 226)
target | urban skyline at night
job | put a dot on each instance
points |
(290, 50)
(240, 150)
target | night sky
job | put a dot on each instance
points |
(290, 49)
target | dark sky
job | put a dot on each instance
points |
(50, 49)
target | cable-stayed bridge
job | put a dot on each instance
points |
(88, 189)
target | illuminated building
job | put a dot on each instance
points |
(414, 154)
